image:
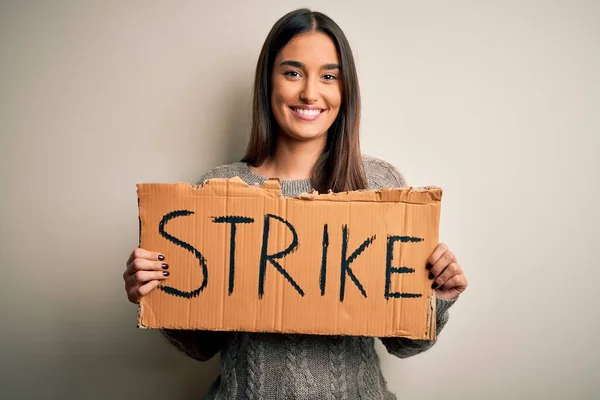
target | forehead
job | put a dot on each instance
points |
(311, 49)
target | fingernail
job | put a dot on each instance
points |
(431, 275)
(434, 285)
(166, 273)
(161, 257)
(165, 266)
(428, 266)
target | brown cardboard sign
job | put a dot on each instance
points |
(244, 258)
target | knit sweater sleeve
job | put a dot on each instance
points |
(382, 174)
(404, 347)
(198, 344)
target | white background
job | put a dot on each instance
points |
(497, 102)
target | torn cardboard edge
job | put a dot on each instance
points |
(407, 194)
(271, 189)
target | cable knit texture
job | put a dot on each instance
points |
(256, 366)
(337, 368)
(277, 366)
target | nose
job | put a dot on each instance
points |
(309, 92)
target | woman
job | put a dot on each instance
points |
(305, 132)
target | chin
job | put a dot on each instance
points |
(306, 131)
(304, 136)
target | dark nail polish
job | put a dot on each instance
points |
(428, 266)
(166, 273)
(165, 266)
(431, 275)
(434, 285)
(161, 257)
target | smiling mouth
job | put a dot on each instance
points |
(307, 114)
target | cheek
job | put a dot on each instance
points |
(334, 98)
(277, 104)
(282, 93)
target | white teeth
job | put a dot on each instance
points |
(310, 113)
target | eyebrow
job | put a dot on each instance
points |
(298, 64)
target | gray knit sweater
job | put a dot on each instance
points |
(278, 366)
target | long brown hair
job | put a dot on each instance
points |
(340, 166)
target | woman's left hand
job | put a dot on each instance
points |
(447, 275)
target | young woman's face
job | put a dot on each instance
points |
(306, 82)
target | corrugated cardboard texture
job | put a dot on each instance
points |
(347, 263)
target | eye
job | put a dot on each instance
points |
(329, 77)
(292, 74)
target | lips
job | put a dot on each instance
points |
(307, 114)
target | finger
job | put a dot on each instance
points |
(448, 273)
(458, 284)
(130, 259)
(143, 277)
(440, 249)
(142, 264)
(143, 253)
(440, 265)
(135, 294)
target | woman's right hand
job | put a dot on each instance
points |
(145, 270)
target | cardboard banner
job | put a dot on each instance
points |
(244, 258)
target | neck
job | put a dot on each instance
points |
(293, 159)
